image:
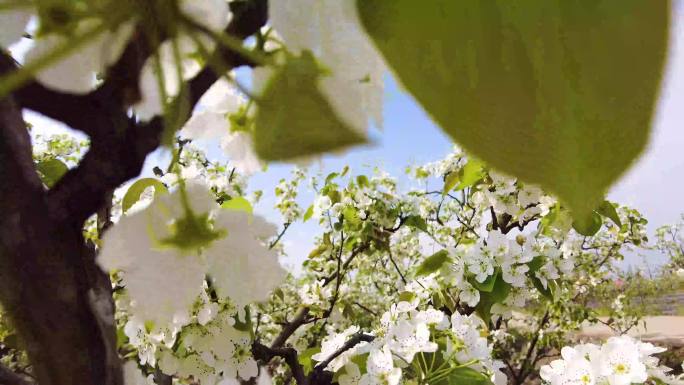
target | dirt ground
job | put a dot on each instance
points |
(659, 330)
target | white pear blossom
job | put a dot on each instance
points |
(211, 14)
(515, 274)
(212, 120)
(352, 374)
(619, 361)
(469, 294)
(222, 350)
(241, 266)
(573, 369)
(133, 376)
(331, 29)
(166, 250)
(240, 148)
(334, 342)
(314, 293)
(75, 72)
(409, 337)
(381, 370)
(480, 263)
(160, 280)
(529, 195)
(13, 23)
(432, 316)
(321, 205)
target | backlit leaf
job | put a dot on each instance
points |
(557, 93)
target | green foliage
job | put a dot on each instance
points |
(465, 376)
(487, 285)
(432, 263)
(308, 214)
(450, 181)
(51, 171)
(607, 209)
(294, 119)
(470, 173)
(498, 293)
(537, 89)
(362, 181)
(135, 191)
(238, 204)
(417, 222)
(305, 358)
(588, 225)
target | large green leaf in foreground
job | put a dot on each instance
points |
(295, 119)
(556, 92)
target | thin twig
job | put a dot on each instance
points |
(351, 342)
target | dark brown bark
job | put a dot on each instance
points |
(50, 286)
(43, 276)
(8, 377)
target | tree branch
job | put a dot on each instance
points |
(79, 112)
(351, 342)
(58, 299)
(44, 283)
(120, 145)
(291, 327)
(266, 354)
(8, 377)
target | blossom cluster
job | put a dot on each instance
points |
(406, 340)
(190, 269)
(619, 361)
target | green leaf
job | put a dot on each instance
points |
(535, 264)
(487, 285)
(471, 173)
(416, 221)
(318, 251)
(133, 194)
(488, 299)
(335, 196)
(432, 263)
(607, 209)
(558, 218)
(330, 177)
(465, 376)
(351, 215)
(121, 337)
(362, 181)
(51, 171)
(294, 119)
(545, 291)
(588, 225)
(309, 213)
(407, 296)
(305, 360)
(238, 204)
(557, 93)
(450, 182)
(245, 326)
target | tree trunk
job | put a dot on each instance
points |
(59, 300)
(48, 278)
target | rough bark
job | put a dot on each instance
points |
(50, 286)
(43, 276)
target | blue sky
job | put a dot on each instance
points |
(654, 185)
